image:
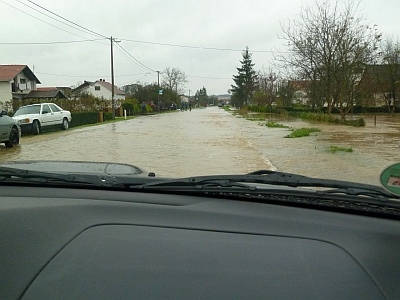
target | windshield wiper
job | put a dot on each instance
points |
(256, 181)
(8, 174)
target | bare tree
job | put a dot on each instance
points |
(390, 81)
(267, 87)
(174, 79)
(329, 46)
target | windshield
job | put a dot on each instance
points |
(26, 110)
(187, 88)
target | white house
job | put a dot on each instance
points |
(16, 81)
(100, 89)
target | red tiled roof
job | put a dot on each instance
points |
(300, 84)
(47, 89)
(8, 72)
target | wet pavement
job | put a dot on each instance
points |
(213, 141)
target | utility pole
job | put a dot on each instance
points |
(158, 92)
(112, 80)
(112, 77)
(189, 96)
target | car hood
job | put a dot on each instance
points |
(10, 120)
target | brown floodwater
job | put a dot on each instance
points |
(212, 141)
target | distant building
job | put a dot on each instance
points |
(16, 81)
(49, 94)
(379, 84)
(301, 90)
(225, 98)
(99, 89)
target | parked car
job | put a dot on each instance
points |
(36, 117)
(10, 131)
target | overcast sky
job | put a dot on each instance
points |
(157, 34)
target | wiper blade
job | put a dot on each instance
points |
(8, 174)
(247, 181)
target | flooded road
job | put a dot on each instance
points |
(212, 141)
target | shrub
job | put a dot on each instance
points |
(129, 108)
(356, 123)
(302, 132)
(83, 118)
(107, 116)
(334, 149)
(275, 125)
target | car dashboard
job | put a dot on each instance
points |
(63, 243)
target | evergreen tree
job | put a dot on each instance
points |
(245, 81)
(201, 96)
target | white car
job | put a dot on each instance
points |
(36, 117)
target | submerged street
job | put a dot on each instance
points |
(213, 141)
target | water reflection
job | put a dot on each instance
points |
(212, 141)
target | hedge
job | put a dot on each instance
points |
(107, 116)
(83, 118)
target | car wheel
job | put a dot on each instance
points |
(36, 127)
(65, 124)
(14, 138)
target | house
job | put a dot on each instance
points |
(99, 89)
(47, 94)
(224, 98)
(301, 90)
(380, 84)
(184, 99)
(16, 81)
(65, 89)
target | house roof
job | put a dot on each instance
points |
(46, 94)
(382, 71)
(84, 85)
(300, 84)
(8, 72)
(104, 83)
(380, 77)
(108, 85)
(42, 89)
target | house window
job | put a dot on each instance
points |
(97, 88)
(22, 80)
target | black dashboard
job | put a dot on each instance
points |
(60, 243)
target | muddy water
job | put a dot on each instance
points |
(212, 141)
(374, 148)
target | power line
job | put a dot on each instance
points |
(195, 47)
(49, 43)
(41, 20)
(85, 31)
(128, 58)
(68, 20)
(135, 59)
(132, 82)
(60, 75)
(208, 77)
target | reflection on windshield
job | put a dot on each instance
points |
(34, 109)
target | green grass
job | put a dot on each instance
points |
(359, 122)
(302, 132)
(275, 125)
(334, 149)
